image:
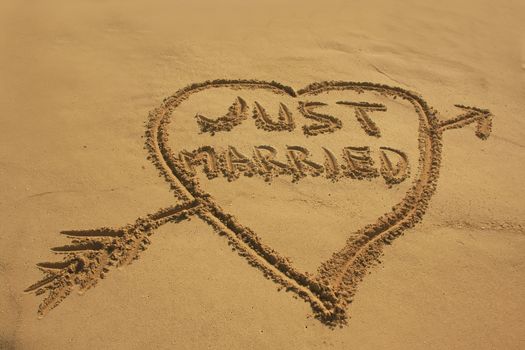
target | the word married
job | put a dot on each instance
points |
(357, 163)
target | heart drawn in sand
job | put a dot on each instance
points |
(93, 252)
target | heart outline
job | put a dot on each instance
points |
(332, 289)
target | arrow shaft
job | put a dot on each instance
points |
(173, 213)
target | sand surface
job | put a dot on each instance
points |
(241, 250)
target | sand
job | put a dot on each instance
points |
(262, 175)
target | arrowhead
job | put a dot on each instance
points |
(482, 118)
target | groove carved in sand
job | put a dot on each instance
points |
(92, 253)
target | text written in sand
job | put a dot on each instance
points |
(352, 161)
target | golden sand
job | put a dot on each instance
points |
(332, 175)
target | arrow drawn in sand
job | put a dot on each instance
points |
(91, 254)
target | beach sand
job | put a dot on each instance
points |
(412, 239)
